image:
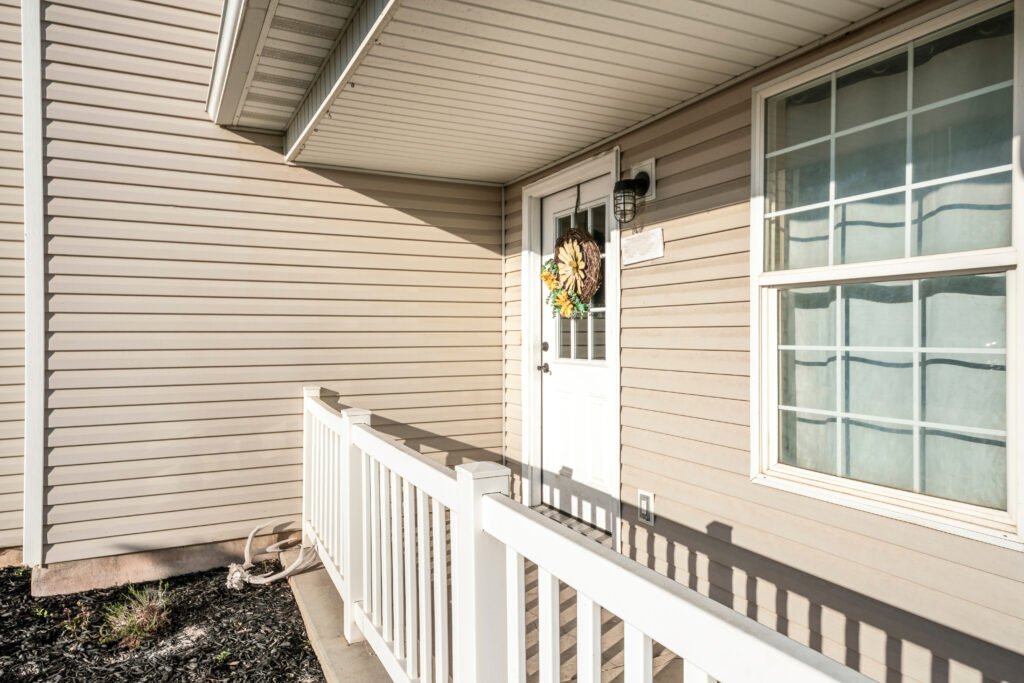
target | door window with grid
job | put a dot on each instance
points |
(583, 338)
(884, 361)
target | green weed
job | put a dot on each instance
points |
(143, 613)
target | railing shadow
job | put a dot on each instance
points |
(445, 450)
(735, 575)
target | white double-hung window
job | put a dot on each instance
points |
(885, 292)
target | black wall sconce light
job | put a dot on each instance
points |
(625, 194)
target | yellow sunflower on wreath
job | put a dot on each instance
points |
(562, 300)
(571, 266)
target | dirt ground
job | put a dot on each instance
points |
(214, 634)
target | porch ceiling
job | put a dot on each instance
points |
(488, 90)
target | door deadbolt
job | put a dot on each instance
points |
(543, 346)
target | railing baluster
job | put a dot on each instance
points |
(411, 599)
(343, 496)
(548, 618)
(440, 595)
(325, 520)
(385, 529)
(638, 664)
(315, 499)
(307, 459)
(423, 578)
(333, 453)
(375, 564)
(338, 476)
(319, 473)
(368, 506)
(397, 580)
(515, 590)
(351, 522)
(588, 640)
(385, 555)
(318, 458)
(325, 498)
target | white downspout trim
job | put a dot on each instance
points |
(35, 282)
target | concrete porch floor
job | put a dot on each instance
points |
(322, 608)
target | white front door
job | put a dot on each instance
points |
(580, 459)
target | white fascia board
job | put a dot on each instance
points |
(241, 25)
(362, 31)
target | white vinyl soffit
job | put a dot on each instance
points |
(489, 90)
(269, 53)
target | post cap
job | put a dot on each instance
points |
(481, 470)
(357, 414)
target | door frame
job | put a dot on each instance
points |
(530, 298)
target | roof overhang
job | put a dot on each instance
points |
(490, 90)
(269, 54)
(241, 24)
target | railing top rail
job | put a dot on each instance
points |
(436, 481)
(325, 413)
(726, 644)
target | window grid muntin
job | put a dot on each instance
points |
(909, 186)
(589, 211)
(832, 170)
(922, 184)
(917, 475)
(1001, 528)
(917, 351)
(911, 111)
(771, 327)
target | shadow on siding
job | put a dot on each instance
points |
(728, 562)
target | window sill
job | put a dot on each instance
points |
(988, 526)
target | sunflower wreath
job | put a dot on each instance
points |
(573, 276)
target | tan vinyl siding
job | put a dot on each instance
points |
(12, 323)
(897, 601)
(196, 283)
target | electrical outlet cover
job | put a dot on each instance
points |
(645, 507)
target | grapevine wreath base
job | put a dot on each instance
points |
(573, 276)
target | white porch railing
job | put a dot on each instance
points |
(379, 515)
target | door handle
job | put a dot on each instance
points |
(543, 368)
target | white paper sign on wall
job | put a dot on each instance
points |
(642, 246)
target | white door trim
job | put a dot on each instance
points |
(606, 162)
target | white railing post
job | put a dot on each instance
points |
(352, 522)
(480, 643)
(307, 456)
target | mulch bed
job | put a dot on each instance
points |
(215, 634)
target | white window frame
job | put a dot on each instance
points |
(1001, 528)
